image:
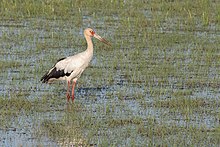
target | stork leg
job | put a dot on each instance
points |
(74, 83)
(67, 92)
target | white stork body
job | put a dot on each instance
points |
(71, 68)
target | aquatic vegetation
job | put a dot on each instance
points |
(158, 85)
(6, 64)
(12, 108)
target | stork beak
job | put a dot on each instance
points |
(102, 39)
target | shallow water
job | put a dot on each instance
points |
(131, 80)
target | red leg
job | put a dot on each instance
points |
(74, 83)
(67, 92)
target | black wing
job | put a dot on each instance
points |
(54, 73)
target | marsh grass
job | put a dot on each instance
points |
(12, 64)
(12, 108)
(187, 106)
(158, 85)
(113, 130)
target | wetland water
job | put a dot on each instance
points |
(158, 85)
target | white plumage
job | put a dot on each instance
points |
(71, 68)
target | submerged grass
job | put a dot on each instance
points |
(108, 130)
(158, 85)
(11, 64)
(12, 108)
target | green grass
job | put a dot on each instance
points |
(158, 85)
(115, 131)
(11, 64)
(12, 108)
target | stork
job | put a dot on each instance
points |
(70, 68)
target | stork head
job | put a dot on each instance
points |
(91, 33)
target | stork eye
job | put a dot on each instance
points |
(92, 32)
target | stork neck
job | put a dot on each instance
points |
(89, 44)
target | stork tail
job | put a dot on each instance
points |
(46, 77)
(54, 73)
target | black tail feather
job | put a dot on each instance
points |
(45, 78)
(54, 73)
(48, 75)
